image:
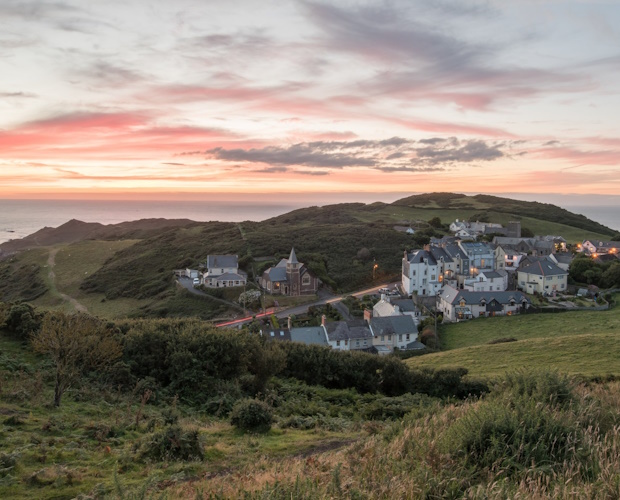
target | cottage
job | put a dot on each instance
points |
(488, 281)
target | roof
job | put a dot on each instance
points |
(405, 305)
(419, 257)
(276, 273)
(221, 261)
(415, 345)
(292, 259)
(229, 277)
(454, 296)
(277, 334)
(455, 251)
(347, 330)
(309, 335)
(476, 247)
(491, 274)
(393, 325)
(564, 257)
(543, 268)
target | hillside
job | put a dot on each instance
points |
(576, 342)
(339, 243)
(483, 203)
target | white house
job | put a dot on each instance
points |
(393, 331)
(395, 307)
(543, 277)
(459, 305)
(488, 281)
(223, 271)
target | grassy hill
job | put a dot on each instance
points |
(576, 342)
(339, 243)
(534, 435)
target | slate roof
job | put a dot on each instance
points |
(281, 334)
(476, 248)
(393, 325)
(221, 261)
(276, 273)
(563, 258)
(491, 274)
(229, 277)
(419, 256)
(438, 253)
(543, 268)
(309, 335)
(414, 346)
(455, 251)
(405, 305)
(454, 296)
(347, 330)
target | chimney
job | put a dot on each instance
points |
(323, 320)
(367, 315)
(290, 322)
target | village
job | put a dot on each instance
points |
(480, 270)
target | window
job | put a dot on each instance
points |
(433, 277)
(413, 273)
(400, 337)
(481, 262)
(306, 280)
(382, 338)
(389, 338)
(337, 343)
(407, 336)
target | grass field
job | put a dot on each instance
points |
(395, 213)
(575, 342)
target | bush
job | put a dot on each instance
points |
(251, 415)
(173, 443)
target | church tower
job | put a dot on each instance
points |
(293, 270)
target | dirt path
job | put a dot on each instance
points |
(51, 262)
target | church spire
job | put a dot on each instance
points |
(292, 259)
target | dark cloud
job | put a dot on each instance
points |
(390, 155)
(551, 143)
(459, 152)
(298, 154)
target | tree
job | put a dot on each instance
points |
(76, 343)
(435, 222)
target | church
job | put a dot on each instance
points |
(289, 277)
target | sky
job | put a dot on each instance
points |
(154, 98)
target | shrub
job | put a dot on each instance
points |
(251, 415)
(173, 443)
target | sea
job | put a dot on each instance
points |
(19, 218)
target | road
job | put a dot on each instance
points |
(283, 313)
(188, 284)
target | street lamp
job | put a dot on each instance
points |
(374, 268)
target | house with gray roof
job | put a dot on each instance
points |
(393, 331)
(542, 277)
(389, 306)
(459, 305)
(480, 254)
(348, 335)
(223, 271)
(289, 277)
(311, 335)
(487, 281)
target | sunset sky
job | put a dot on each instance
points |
(122, 98)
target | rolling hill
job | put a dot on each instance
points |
(339, 243)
